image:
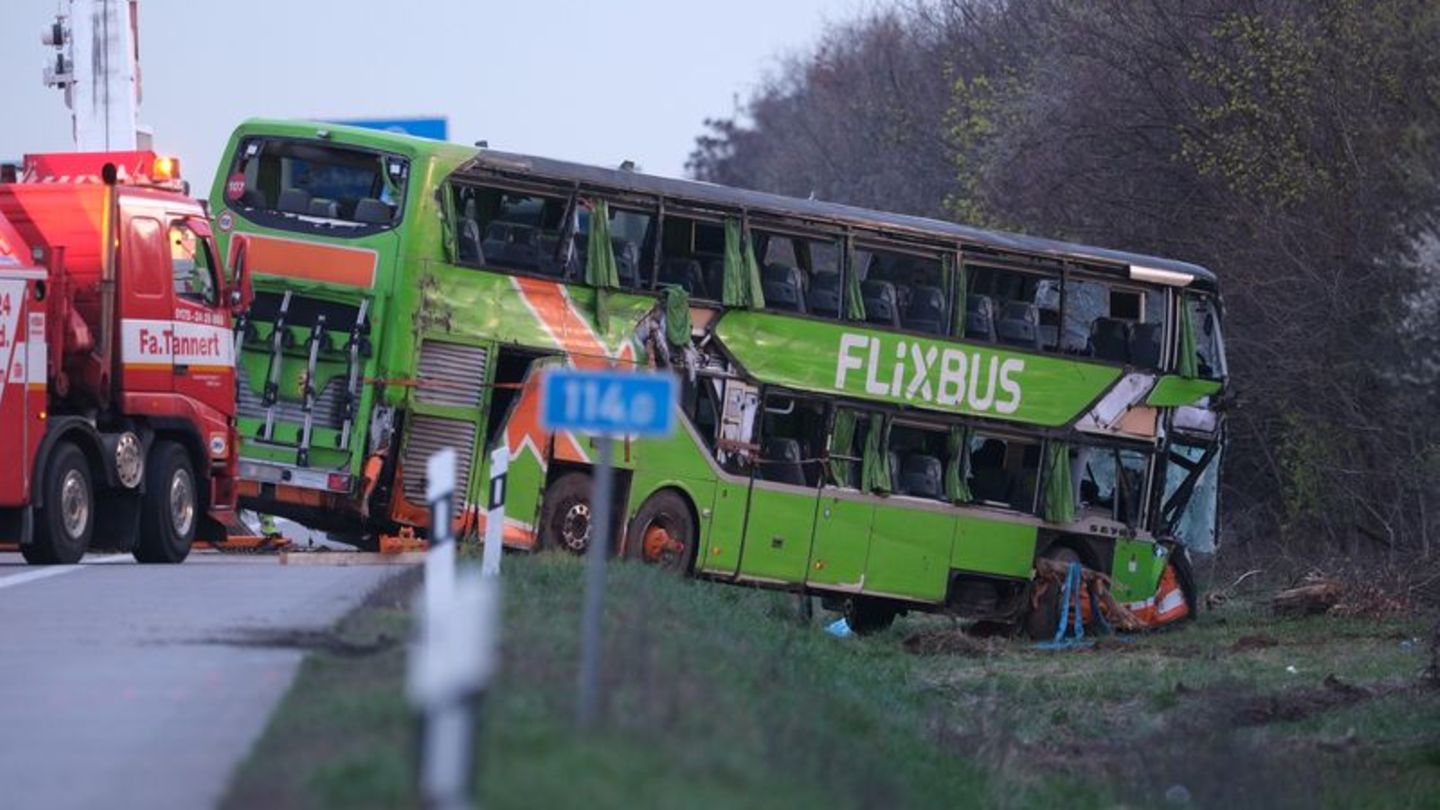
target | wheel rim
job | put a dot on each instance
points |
(575, 526)
(182, 502)
(74, 503)
(661, 546)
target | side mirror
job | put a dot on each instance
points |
(241, 293)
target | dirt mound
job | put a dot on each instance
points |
(1257, 642)
(1298, 704)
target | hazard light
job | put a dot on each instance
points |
(166, 168)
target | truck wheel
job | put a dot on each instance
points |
(565, 517)
(62, 532)
(663, 532)
(170, 510)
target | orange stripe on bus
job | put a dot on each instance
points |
(312, 262)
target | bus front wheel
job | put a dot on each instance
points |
(663, 532)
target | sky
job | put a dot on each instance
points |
(597, 82)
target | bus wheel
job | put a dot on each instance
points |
(62, 533)
(867, 615)
(565, 515)
(663, 532)
(170, 510)
(1044, 616)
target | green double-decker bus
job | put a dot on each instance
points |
(889, 411)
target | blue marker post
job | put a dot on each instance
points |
(604, 404)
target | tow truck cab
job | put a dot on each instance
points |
(124, 402)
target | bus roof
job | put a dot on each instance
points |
(491, 162)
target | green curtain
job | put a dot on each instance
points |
(1059, 505)
(854, 299)
(956, 271)
(957, 471)
(1187, 366)
(600, 270)
(677, 314)
(742, 273)
(842, 443)
(875, 464)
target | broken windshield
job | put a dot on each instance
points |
(304, 185)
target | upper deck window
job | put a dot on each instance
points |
(1116, 323)
(517, 230)
(304, 185)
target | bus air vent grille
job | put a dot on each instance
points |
(451, 374)
(428, 435)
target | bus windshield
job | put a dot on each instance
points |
(308, 186)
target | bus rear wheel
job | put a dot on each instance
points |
(566, 516)
(63, 530)
(866, 614)
(663, 532)
(1043, 619)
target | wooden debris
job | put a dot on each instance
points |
(1315, 596)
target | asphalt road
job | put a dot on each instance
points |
(124, 685)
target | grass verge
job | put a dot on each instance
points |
(719, 696)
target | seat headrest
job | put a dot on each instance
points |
(374, 212)
(294, 201)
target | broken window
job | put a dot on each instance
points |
(692, 256)
(1004, 470)
(1204, 323)
(515, 230)
(918, 456)
(632, 238)
(1117, 323)
(793, 440)
(798, 274)
(904, 290)
(1192, 494)
(1010, 307)
(1111, 482)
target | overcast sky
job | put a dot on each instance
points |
(598, 81)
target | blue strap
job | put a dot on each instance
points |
(1071, 595)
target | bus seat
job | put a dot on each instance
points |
(823, 298)
(1019, 325)
(295, 201)
(469, 242)
(321, 207)
(980, 318)
(880, 302)
(715, 276)
(253, 198)
(782, 462)
(1145, 345)
(511, 244)
(921, 475)
(926, 311)
(988, 479)
(627, 261)
(1110, 339)
(683, 273)
(373, 212)
(784, 287)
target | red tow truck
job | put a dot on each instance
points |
(117, 361)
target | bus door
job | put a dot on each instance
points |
(841, 544)
(784, 491)
(735, 451)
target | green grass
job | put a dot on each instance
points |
(719, 696)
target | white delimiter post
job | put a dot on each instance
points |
(440, 559)
(495, 514)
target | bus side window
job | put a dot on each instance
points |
(903, 290)
(792, 440)
(632, 241)
(917, 461)
(692, 256)
(516, 230)
(799, 275)
(1017, 309)
(1004, 471)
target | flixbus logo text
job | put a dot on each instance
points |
(919, 371)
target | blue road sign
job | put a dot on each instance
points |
(608, 403)
(437, 128)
